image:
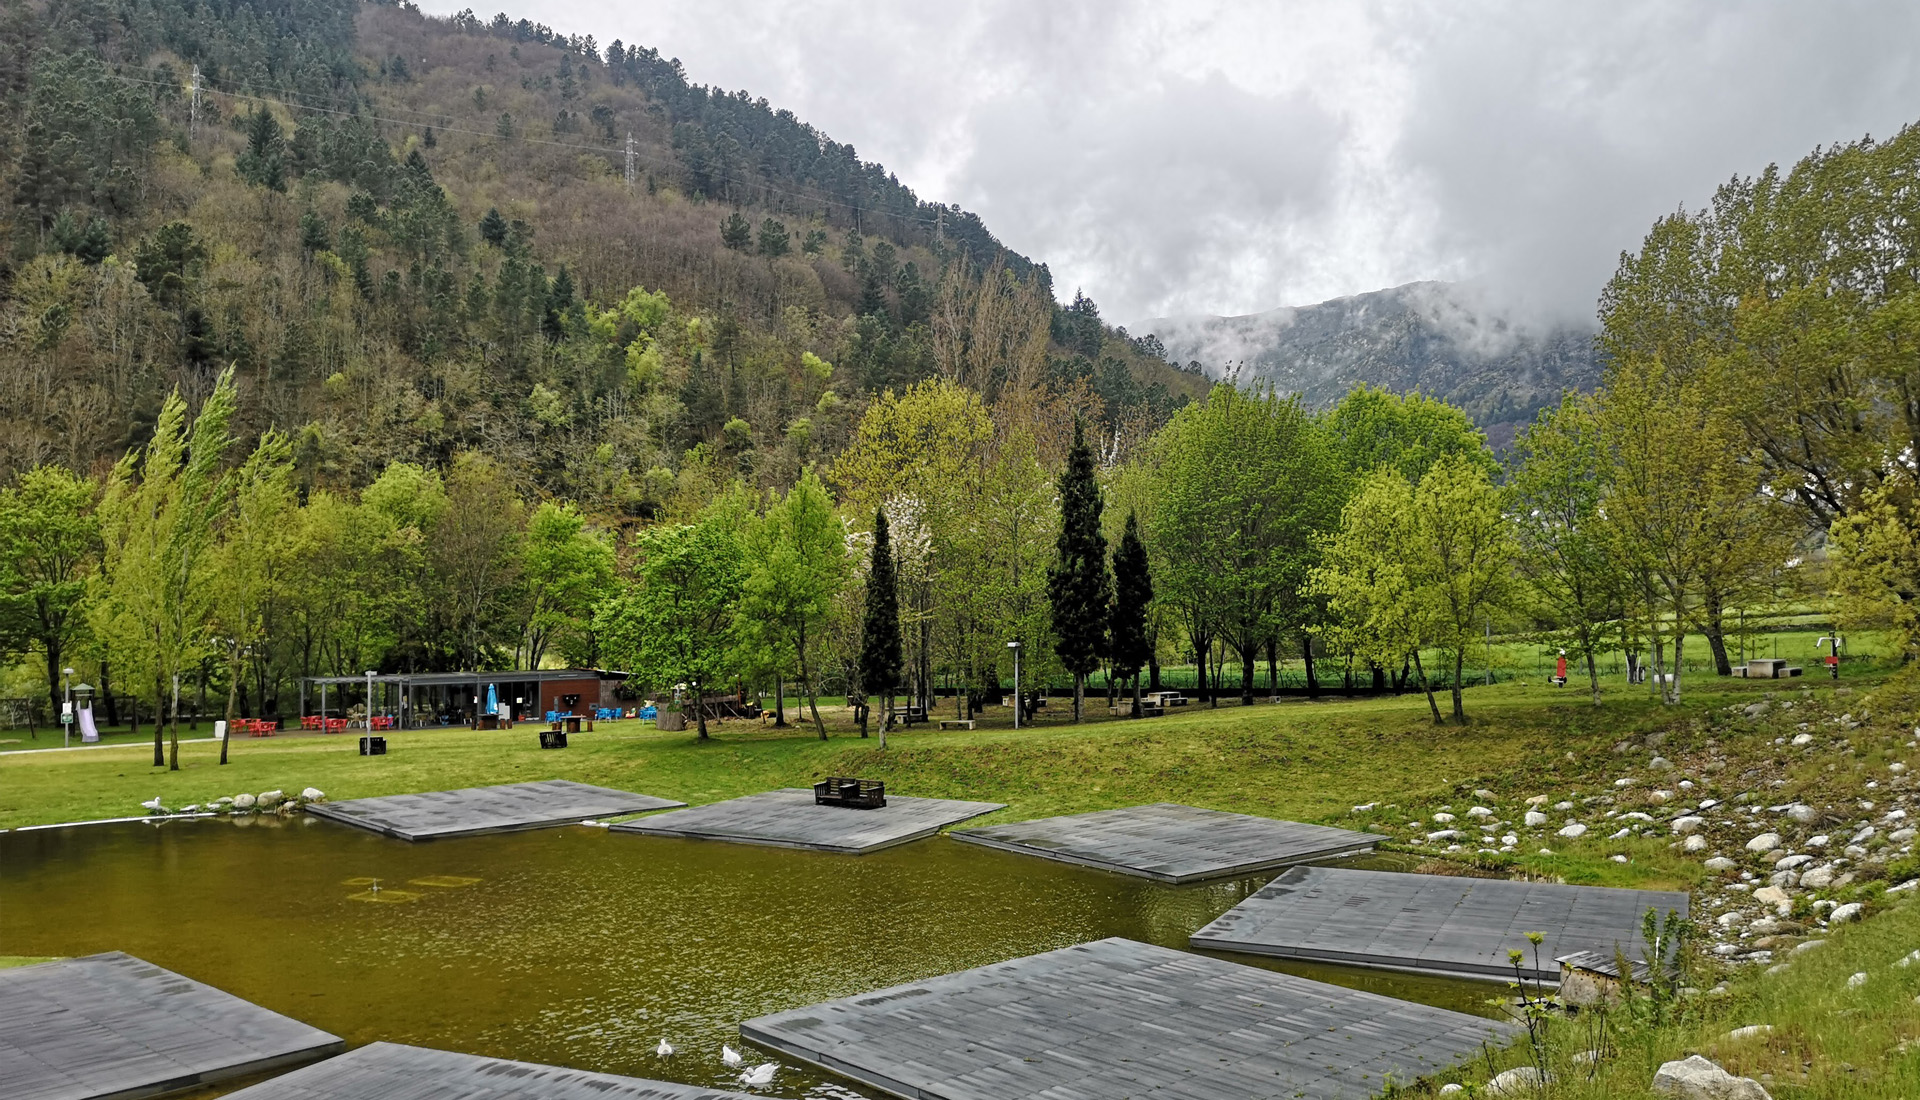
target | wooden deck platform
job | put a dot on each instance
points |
(106, 1027)
(1168, 842)
(788, 818)
(389, 1071)
(1438, 924)
(1117, 1018)
(476, 810)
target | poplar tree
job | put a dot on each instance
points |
(880, 629)
(1077, 583)
(1132, 592)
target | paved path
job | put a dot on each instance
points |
(113, 1026)
(389, 1071)
(1168, 842)
(1438, 923)
(109, 745)
(788, 818)
(1118, 1019)
(476, 810)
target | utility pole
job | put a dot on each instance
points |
(193, 106)
(629, 160)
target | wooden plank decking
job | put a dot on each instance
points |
(788, 818)
(1440, 924)
(1117, 1018)
(476, 810)
(1171, 843)
(389, 1071)
(113, 1027)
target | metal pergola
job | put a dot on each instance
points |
(403, 684)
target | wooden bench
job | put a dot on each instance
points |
(956, 723)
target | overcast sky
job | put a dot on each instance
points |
(1228, 158)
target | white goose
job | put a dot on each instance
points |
(734, 1059)
(153, 806)
(664, 1050)
(759, 1076)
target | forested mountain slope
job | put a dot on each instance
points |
(1433, 337)
(413, 237)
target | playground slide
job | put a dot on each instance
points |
(88, 731)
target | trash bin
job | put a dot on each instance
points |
(373, 746)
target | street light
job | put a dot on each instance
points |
(66, 710)
(1015, 646)
(370, 675)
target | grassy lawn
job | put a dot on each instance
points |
(1298, 759)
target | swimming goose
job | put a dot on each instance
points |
(759, 1076)
(733, 1058)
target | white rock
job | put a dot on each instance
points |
(1775, 896)
(1537, 800)
(1803, 738)
(1751, 1031)
(1623, 782)
(1563, 806)
(1695, 843)
(1618, 859)
(1510, 840)
(1720, 864)
(1810, 945)
(1896, 767)
(1574, 830)
(1479, 811)
(1696, 1078)
(1792, 862)
(267, 799)
(1535, 819)
(1659, 796)
(1444, 834)
(1819, 878)
(1622, 834)
(1660, 764)
(1366, 808)
(1586, 1058)
(1845, 914)
(1765, 842)
(1483, 794)
(1857, 980)
(1819, 841)
(1802, 813)
(1908, 960)
(1901, 836)
(1450, 1089)
(312, 794)
(243, 802)
(1636, 815)
(1518, 1081)
(1904, 887)
(1444, 819)
(1691, 823)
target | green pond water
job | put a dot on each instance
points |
(577, 946)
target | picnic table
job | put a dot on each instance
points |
(909, 714)
(1164, 699)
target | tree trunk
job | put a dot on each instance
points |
(1717, 637)
(159, 726)
(699, 708)
(1079, 694)
(886, 718)
(1306, 657)
(862, 710)
(233, 702)
(173, 764)
(1153, 672)
(1379, 677)
(1200, 668)
(106, 693)
(1432, 704)
(1459, 669)
(1247, 657)
(1136, 695)
(779, 703)
(1593, 676)
(806, 674)
(53, 683)
(1273, 670)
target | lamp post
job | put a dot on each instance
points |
(370, 675)
(1015, 646)
(66, 709)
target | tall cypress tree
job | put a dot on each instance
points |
(1132, 592)
(1077, 584)
(880, 629)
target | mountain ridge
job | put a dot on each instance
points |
(1447, 340)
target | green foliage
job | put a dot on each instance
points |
(1373, 427)
(1078, 585)
(167, 262)
(879, 665)
(314, 236)
(85, 138)
(736, 232)
(568, 570)
(49, 537)
(493, 228)
(796, 563)
(774, 241)
(1129, 648)
(263, 164)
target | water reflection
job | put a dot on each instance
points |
(575, 946)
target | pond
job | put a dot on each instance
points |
(575, 946)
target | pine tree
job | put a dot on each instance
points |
(880, 630)
(736, 232)
(493, 228)
(774, 241)
(1077, 582)
(1132, 592)
(313, 232)
(264, 164)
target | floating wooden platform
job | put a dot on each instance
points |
(788, 818)
(1168, 842)
(389, 1071)
(1117, 1018)
(106, 1027)
(1440, 924)
(476, 810)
